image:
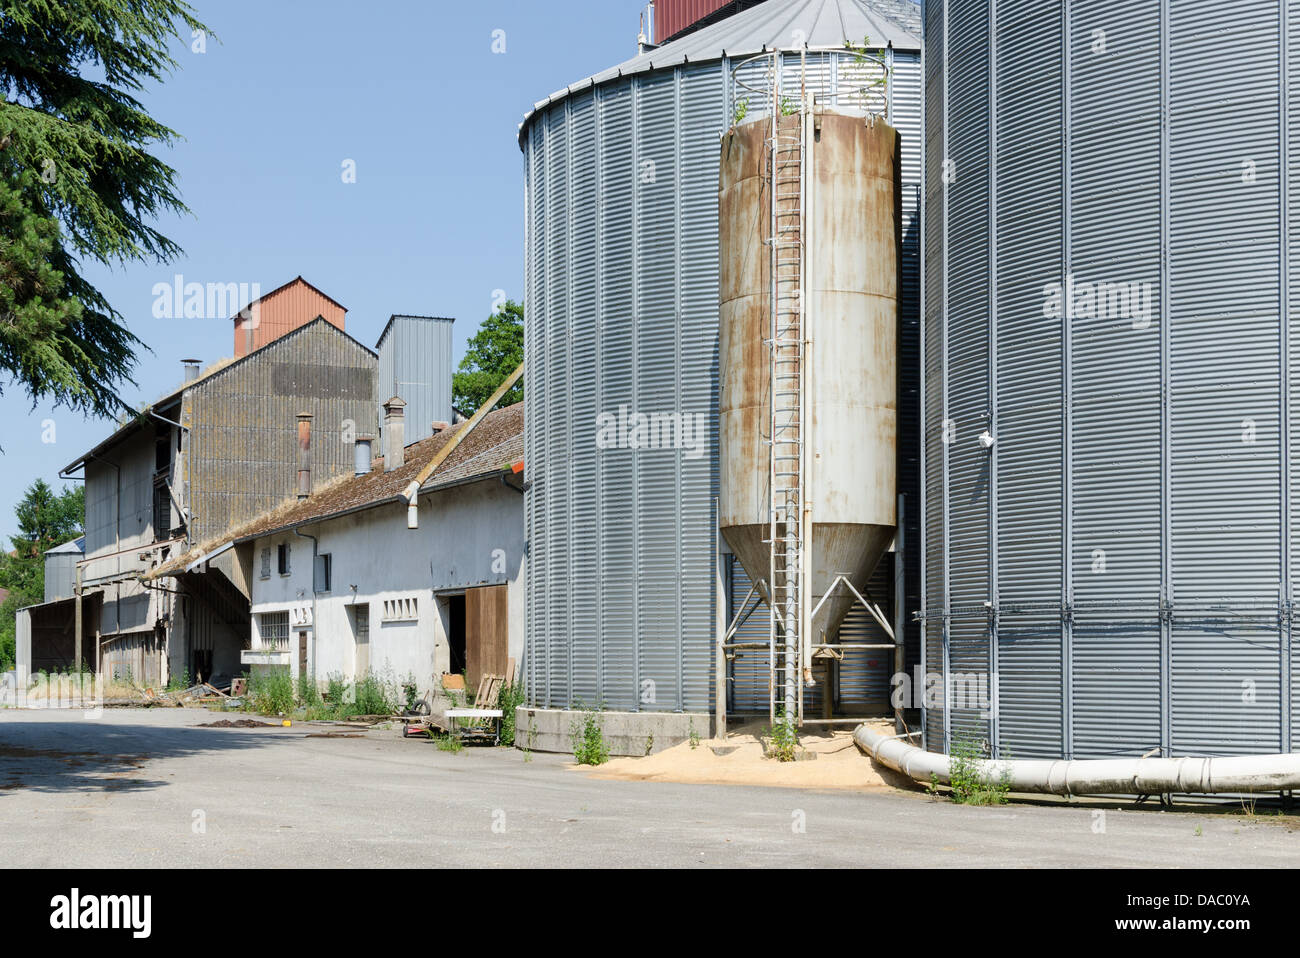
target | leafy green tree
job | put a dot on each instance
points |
(493, 353)
(45, 519)
(78, 184)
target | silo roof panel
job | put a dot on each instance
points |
(774, 25)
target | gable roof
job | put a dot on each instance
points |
(76, 546)
(494, 446)
(281, 288)
(396, 316)
(214, 371)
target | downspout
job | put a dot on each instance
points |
(412, 491)
(1119, 776)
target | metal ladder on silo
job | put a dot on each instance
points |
(786, 346)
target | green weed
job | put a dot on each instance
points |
(589, 746)
(974, 780)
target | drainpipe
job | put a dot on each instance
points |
(76, 626)
(412, 491)
(1119, 776)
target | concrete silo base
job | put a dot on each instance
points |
(626, 733)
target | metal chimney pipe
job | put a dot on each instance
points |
(191, 369)
(361, 453)
(394, 434)
(304, 455)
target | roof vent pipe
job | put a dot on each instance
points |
(304, 455)
(191, 369)
(394, 434)
(361, 455)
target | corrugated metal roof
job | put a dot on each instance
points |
(221, 367)
(396, 316)
(774, 25)
(77, 545)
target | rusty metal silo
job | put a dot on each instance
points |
(830, 400)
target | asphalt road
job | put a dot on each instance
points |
(144, 788)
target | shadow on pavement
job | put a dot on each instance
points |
(81, 755)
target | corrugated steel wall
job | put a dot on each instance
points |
(415, 362)
(243, 453)
(1117, 568)
(61, 575)
(281, 312)
(673, 16)
(621, 192)
(134, 657)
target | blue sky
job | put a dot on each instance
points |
(413, 93)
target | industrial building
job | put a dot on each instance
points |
(215, 452)
(629, 574)
(209, 456)
(340, 584)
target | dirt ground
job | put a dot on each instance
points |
(829, 759)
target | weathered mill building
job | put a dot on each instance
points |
(212, 453)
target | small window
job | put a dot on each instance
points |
(266, 563)
(274, 628)
(162, 513)
(282, 558)
(324, 570)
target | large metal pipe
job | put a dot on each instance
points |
(1116, 776)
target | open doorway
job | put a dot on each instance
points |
(455, 620)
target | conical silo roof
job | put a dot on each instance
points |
(773, 25)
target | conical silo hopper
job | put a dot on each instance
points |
(850, 379)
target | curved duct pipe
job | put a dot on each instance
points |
(1119, 776)
(412, 492)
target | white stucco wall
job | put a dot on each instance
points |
(470, 535)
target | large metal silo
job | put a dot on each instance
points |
(1109, 415)
(622, 320)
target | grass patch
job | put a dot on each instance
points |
(374, 696)
(275, 692)
(271, 692)
(448, 743)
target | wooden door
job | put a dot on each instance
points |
(361, 631)
(302, 654)
(486, 632)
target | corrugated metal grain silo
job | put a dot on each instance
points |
(622, 321)
(1109, 417)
